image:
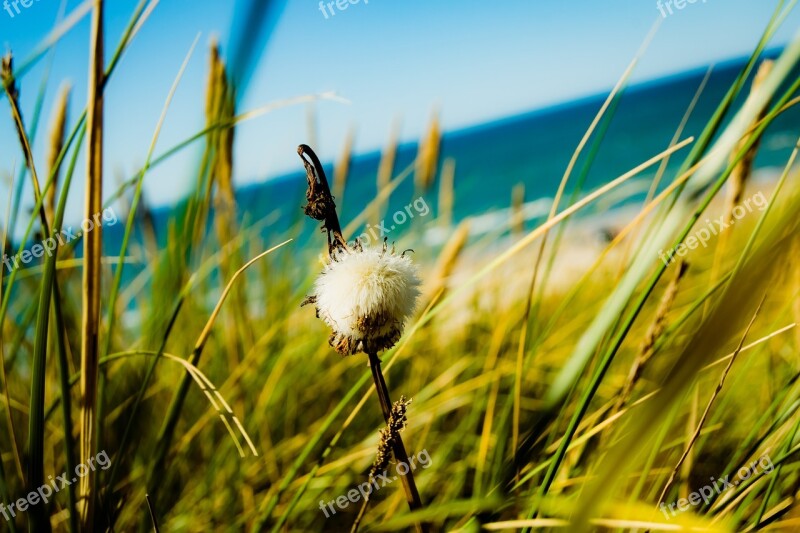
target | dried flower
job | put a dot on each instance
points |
(366, 296)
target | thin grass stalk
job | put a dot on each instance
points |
(448, 258)
(385, 170)
(528, 310)
(57, 132)
(428, 156)
(517, 205)
(446, 193)
(52, 38)
(223, 111)
(12, 432)
(4, 492)
(57, 313)
(361, 513)
(39, 519)
(93, 251)
(61, 341)
(70, 461)
(167, 431)
(739, 177)
(653, 333)
(611, 100)
(312, 123)
(716, 121)
(663, 167)
(342, 169)
(11, 91)
(711, 400)
(153, 516)
(491, 366)
(34, 127)
(219, 101)
(117, 280)
(762, 509)
(398, 448)
(147, 222)
(13, 275)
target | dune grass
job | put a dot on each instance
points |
(540, 405)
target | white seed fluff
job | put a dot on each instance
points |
(366, 297)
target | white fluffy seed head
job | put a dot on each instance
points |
(366, 297)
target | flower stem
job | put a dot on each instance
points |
(399, 449)
(321, 204)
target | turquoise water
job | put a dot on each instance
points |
(535, 148)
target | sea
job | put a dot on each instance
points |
(535, 148)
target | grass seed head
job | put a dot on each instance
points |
(7, 75)
(389, 436)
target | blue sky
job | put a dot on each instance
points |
(475, 61)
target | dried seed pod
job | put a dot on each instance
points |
(366, 296)
(389, 435)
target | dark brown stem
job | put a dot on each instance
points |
(152, 514)
(321, 205)
(399, 449)
(361, 513)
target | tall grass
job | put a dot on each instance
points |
(541, 404)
